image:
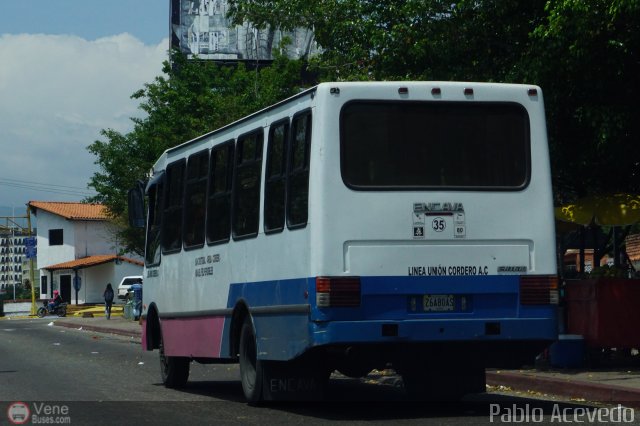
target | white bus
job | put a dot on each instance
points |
(356, 226)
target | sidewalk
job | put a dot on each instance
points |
(609, 385)
(116, 325)
(617, 385)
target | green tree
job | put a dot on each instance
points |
(584, 54)
(406, 39)
(587, 58)
(190, 98)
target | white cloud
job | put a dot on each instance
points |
(56, 94)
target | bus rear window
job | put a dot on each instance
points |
(438, 145)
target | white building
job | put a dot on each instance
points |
(77, 248)
(12, 256)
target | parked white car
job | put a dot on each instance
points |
(126, 283)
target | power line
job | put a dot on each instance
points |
(39, 183)
(49, 190)
(47, 187)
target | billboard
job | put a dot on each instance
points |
(201, 28)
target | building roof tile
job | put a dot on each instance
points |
(633, 247)
(72, 211)
(87, 262)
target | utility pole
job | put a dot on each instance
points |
(31, 266)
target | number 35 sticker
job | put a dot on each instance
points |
(438, 224)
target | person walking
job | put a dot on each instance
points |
(108, 300)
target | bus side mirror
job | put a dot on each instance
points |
(136, 206)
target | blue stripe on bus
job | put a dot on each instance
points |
(270, 293)
(385, 300)
(282, 337)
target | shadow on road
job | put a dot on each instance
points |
(355, 400)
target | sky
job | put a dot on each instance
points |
(67, 71)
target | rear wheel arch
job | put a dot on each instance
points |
(153, 328)
(240, 312)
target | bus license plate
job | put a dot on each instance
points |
(439, 302)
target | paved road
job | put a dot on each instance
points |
(93, 378)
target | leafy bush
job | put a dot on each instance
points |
(22, 292)
(609, 272)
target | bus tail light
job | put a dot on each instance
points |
(539, 290)
(333, 292)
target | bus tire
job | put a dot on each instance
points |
(251, 368)
(174, 370)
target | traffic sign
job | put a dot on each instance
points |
(31, 252)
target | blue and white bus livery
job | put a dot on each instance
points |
(356, 226)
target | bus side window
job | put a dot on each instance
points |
(298, 176)
(172, 213)
(195, 198)
(219, 195)
(152, 249)
(246, 185)
(274, 199)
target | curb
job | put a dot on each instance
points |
(100, 329)
(16, 317)
(594, 392)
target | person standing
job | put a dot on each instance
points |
(108, 300)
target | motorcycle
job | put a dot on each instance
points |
(60, 310)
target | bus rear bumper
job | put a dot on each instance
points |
(430, 330)
(500, 343)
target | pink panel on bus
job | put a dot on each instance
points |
(192, 337)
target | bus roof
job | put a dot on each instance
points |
(243, 119)
(329, 86)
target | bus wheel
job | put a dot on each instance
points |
(251, 373)
(174, 370)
